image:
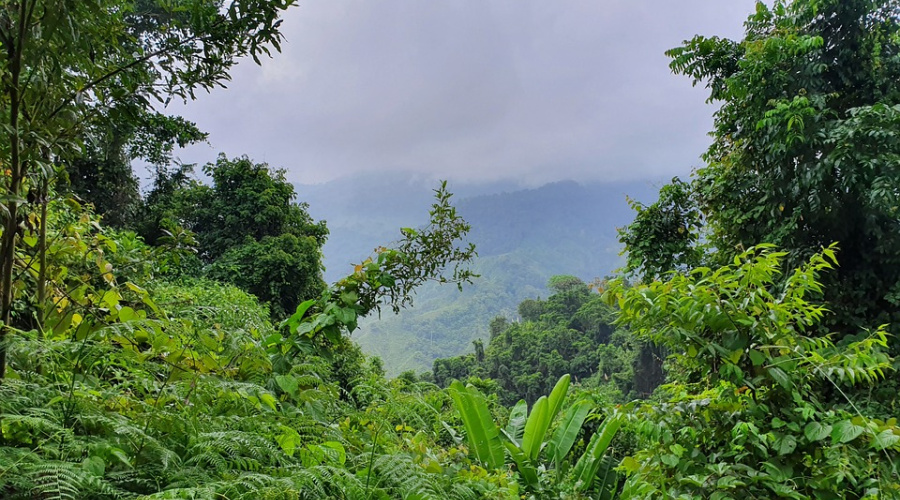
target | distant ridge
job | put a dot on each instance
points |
(523, 237)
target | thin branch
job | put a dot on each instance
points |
(128, 66)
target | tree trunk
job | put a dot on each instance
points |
(14, 192)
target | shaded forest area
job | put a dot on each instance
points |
(185, 345)
(572, 332)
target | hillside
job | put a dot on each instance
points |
(523, 237)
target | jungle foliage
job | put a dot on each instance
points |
(771, 277)
(804, 153)
(570, 333)
(124, 384)
(126, 371)
(247, 229)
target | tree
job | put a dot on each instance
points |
(479, 350)
(524, 358)
(63, 63)
(664, 235)
(744, 411)
(145, 388)
(434, 253)
(805, 150)
(530, 309)
(101, 172)
(249, 230)
(246, 200)
(497, 325)
(281, 271)
(565, 283)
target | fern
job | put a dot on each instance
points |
(183, 391)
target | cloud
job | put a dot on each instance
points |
(472, 90)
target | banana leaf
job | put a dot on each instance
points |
(589, 464)
(482, 433)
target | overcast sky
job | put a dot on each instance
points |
(470, 90)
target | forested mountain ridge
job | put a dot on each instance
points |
(504, 215)
(523, 237)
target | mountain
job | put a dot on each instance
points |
(523, 237)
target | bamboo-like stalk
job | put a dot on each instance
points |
(17, 174)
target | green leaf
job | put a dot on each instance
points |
(557, 396)
(121, 456)
(288, 440)
(785, 444)
(294, 321)
(589, 463)
(127, 314)
(845, 431)
(630, 465)
(337, 453)
(815, 431)
(516, 424)
(780, 376)
(669, 459)
(110, 299)
(567, 431)
(287, 383)
(482, 433)
(524, 466)
(94, 465)
(756, 357)
(535, 428)
(729, 483)
(885, 439)
(268, 400)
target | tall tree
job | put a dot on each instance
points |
(663, 236)
(248, 200)
(250, 230)
(806, 146)
(101, 172)
(64, 62)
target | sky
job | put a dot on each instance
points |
(530, 91)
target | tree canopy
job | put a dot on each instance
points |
(804, 152)
(64, 64)
(249, 228)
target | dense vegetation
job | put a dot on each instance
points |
(246, 228)
(524, 236)
(128, 371)
(804, 153)
(571, 332)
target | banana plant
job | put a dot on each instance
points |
(565, 436)
(525, 451)
(483, 435)
(525, 436)
(593, 457)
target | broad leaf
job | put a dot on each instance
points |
(815, 431)
(524, 466)
(516, 424)
(482, 433)
(885, 439)
(567, 431)
(785, 444)
(589, 463)
(535, 429)
(557, 396)
(845, 431)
